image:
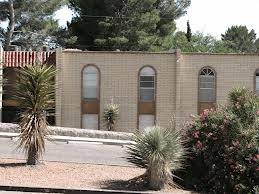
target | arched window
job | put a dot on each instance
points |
(207, 89)
(147, 84)
(146, 100)
(257, 81)
(90, 82)
(90, 97)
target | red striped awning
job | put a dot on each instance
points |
(23, 58)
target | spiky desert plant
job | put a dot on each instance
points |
(160, 151)
(111, 115)
(35, 89)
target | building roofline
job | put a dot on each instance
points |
(217, 54)
(118, 52)
(173, 51)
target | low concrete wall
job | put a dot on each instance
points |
(74, 132)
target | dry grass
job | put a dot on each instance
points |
(71, 175)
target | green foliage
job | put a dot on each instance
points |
(158, 150)
(224, 154)
(199, 43)
(239, 39)
(127, 24)
(244, 104)
(35, 90)
(34, 23)
(111, 115)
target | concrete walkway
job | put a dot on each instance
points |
(74, 139)
(72, 132)
(75, 152)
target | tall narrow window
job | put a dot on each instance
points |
(257, 81)
(90, 97)
(147, 84)
(90, 82)
(207, 89)
(146, 104)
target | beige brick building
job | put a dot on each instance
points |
(149, 87)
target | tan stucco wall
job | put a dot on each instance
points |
(177, 82)
(119, 79)
(232, 70)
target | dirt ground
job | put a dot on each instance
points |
(72, 176)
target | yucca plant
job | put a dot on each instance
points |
(160, 151)
(111, 115)
(35, 90)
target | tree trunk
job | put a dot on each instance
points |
(10, 28)
(156, 178)
(33, 156)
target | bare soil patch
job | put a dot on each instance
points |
(72, 176)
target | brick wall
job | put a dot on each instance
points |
(232, 70)
(119, 80)
(177, 82)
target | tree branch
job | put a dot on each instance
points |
(10, 28)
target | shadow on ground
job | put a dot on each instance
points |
(135, 184)
(140, 184)
(17, 164)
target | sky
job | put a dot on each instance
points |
(63, 15)
(215, 16)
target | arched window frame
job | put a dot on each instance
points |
(205, 70)
(92, 101)
(154, 82)
(256, 87)
(98, 82)
(147, 107)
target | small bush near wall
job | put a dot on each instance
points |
(224, 154)
(110, 116)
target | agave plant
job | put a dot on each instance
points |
(160, 151)
(111, 115)
(35, 90)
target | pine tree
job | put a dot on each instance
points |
(30, 22)
(126, 24)
(189, 32)
(240, 39)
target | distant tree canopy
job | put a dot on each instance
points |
(240, 39)
(237, 39)
(199, 43)
(30, 22)
(126, 24)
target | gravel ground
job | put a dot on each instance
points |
(67, 175)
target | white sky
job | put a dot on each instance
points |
(64, 15)
(215, 16)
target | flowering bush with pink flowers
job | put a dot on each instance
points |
(224, 154)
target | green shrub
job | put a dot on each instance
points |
(224, 154)
(160, 151)
(244, 104)
(111, 115)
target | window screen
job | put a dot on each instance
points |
(147, 84)
(146, 121)
(257, 81)
(90, 121)
(207, 90)
(90, 83)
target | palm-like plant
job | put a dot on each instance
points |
(160, 151)
(111, 115)
(35, 90)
